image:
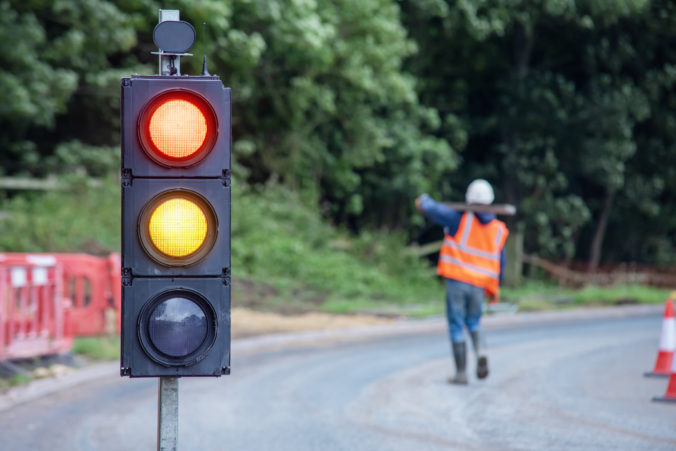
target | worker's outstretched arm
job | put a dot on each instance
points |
(441, 214)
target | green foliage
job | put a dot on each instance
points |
(322, 103)
(559, 101)
(98, 348)
(539, 295)
(280, 241)
(566, 106)
(277, 239)
(85, 216)
(57, 81)
(19, 379)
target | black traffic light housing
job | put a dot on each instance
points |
(176, 147)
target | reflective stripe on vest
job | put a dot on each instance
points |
(472, 255)
(469, 250)
(487, 272)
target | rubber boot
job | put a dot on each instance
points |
(460, 356)
(481, 359)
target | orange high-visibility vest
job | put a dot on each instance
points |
(472, 255)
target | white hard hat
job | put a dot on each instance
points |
(479, 192)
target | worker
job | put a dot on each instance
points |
(471, 261)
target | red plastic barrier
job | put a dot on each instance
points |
(92, 284)
(34, 316)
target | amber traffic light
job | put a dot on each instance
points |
(177, 227)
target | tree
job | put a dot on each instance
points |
(323, 105)
(60, 84)
(320, 100)
(554, 100)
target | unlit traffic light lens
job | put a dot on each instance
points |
(177, 128)
(177, 227)
(177, 326)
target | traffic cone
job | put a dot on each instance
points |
(667, 346)
(670, 395)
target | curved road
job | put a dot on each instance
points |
(555, 386)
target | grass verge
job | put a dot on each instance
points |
(538, 295)
(98, 348)
(8, 382)
(285, 257)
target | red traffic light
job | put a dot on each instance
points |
(177, 128)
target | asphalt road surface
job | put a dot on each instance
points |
(562, 386)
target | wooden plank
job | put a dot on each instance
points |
(497, 209)
(50, 183)
(577, 278)
(28, 183)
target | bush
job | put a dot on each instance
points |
(277, 238)
(84, 217)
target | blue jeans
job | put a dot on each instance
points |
(464, 304)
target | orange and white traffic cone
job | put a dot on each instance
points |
(667, 346)
(670, 395)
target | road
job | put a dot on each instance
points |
(556, 386)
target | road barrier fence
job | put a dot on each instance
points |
(47, 299)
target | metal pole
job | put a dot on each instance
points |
(167, 414)
(167, 405)
(165, 61)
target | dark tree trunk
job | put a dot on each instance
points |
(599, 233)
(522, 45)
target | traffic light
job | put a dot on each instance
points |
(175, 226)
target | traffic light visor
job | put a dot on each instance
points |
(177, 128)
(177, 228)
